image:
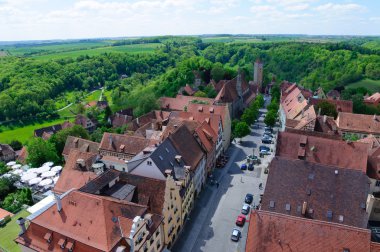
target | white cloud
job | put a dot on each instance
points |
(331, 7)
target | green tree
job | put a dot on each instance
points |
(146, 104)
(260, 100)
(59, 138)
(270, 118)
(41, 151)
(13, 202)
(241, 129)
(326, 109)
(3, 168)
(217, 72)
(200, 94)
(107, 114)
(16, 145)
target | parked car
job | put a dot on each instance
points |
(243, 167)
(250, 167)
(236, 234)
(248, 198)
(268, 134)
(240, 220)
(266, 140)
(254, 159)
(245, 209)
(263, 147)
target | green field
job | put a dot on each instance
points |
(94, 96)
(10, 232)
(137, 48)
(372, 85)
(24, 133)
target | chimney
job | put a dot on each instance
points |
(81, 164)
(302, 112)
(374, 117)
(336, 172)
(58, 201)
(324, 117)
(76, 140)
(21, 222)
(168, 172)
(110, 140)
(304, 207)
(178, 158)
(200, 109)
(319, 111)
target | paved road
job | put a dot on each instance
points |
(215, 212)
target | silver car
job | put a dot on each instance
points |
(236, 234)
(245, 209)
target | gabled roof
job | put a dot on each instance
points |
(324, 151)
(130, 145)
(6, 149)
(326, 124)
(180, 102)
(187, 146)
(81, 144)
(270, 231)
(72, 176)
(4, 213)
(23, 155)
(358, 123)
(371, 140)
(221, 110)
(50, 129)
(325, 192)
(333, 94)
(375, 98)
(207, 136)
(374, 163)
(340, 105)
(153, 116)
(82, 120)
(189, 90)
(88, 219)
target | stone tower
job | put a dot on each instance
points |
(258, 73)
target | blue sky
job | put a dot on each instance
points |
(65, 19)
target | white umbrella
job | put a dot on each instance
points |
(50, 164)
(48, 174)
(16, 166)
(11, 163)
(17, 172)
(56, 168)
(34, 181)
(28, 177)
(43, 169)
(7, 175)
(32, 170)
(55, 179)
(45, 182)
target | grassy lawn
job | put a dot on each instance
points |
(10, 231)
(94, 96)
(24, 133)
(372, 85)
(137, 48)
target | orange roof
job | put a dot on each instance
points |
(4, 213)
(358, 123)
(88, 219)
(221, 110)
(181, 101)
(270, 231)
(373, 98)
(324, 151)
(91, 104)
(207, 136)
(72, 176)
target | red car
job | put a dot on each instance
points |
(240, 220)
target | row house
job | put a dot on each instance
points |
(80, 144)
(116, 149)
(7, 153)
(161, 197)
(358, 124)
(87, 123)
(295, 112)
(79, 221)
(121, 118)
(47, 132)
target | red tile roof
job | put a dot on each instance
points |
(375, 98)
(340, 105)
(358, 123)
(207, 136)
(270, 231)
(88, 219)
(318, 189)
(83, 145)
(189, 90)
(4, 213)
(130, 145)
(324, 151)
(72, 176)
(220, 110)
(23, 155)
(153, 116)
(180, 102)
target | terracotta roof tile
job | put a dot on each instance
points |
(4, 213)
(72, 176)
(323, 188)
(270, 231)
(23, 155)
(83, 145)
(324, 151)
(180, 102)
(130, 145)
(99, 230)
(358, 123)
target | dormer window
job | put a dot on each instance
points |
(149, 162)
(62, 243)
(48, 237)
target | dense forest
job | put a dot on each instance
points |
(28, 86)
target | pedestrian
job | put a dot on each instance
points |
(241, 179)
(217, 184)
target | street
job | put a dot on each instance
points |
(215, 212)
